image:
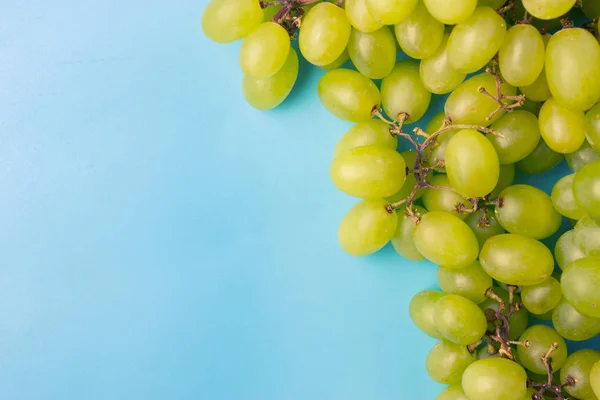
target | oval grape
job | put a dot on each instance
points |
(373, 53)
(225, 21)
(452, 308)
(447, 361)
(402, 241)
(563, 198)
(325, 33)
(420, 34)
(543, 297)
(563, 130)
(520, 135)
(544, 9)
(437, 74)
(522, 55)
(264, 50)
(403, 92)
(572, 325)
(451, 12)
(470, 282)
(495, 378)
(390, 12)
(580, 281)
(359, 17)
(541, 338)
(586, 188)
(370, 132)
(421, 310)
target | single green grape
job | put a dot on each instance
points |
(572, 65)
(451, 12)
(566, 251)
(506, 178)
(390, 12)
(373, 53)
(495, 378)
(403, 241)
(368, 172)
(481, 231)
(543, 297)
(452, 308)
(359, 17)
(437, 153)
(373, 132)
(444, 199)
(516, 260)
(452, 392)
(437, 74)
(586, 187)
(580, 282)
(403, 92)
(420, 34)
(518, 321)
(268, 93)
(538, 90)
(541, 338)
(521, 135)
(421, 310)
(587, 236)
(563, 199)
(593, 126)
(264, 50)
(583, 156)
(540, 160)
(348, 95)
(522, 55)
(474, 42)
(575, 374)
(324, 34)
(533, 107)
(445, 239)
(518, 15)
(341, 60)
(595, 379)
(563, 130)
(225, 21)
(447, 361)
(591, 8)
(410, 158)
(544, 9)
(470, 282)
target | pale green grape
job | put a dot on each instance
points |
(367, 227)
(348, 95)
(566, 251)
(452, 308)
(420, 34)
(373, 53)
(451, 12)
(390, 12)
(543, 297)
(587, 236)
(572, 325)
(541, 338)
(516, 260)
(518, 321)
(521, 135)
(264, 50)
(580, 282)
(522, 56)
(572, 65)
(403, 241)
(563, 130)
(483, 233)
(410, 158)
(452, 392)
(495, 4)
(268, 93)
(494, 378)
(403, 91)
(541, 159)
(591, 8)
(438, 150)
(527, 211)
(584, 155)
(507, 176)
(578, 367)
(444, 199)
(437, 74)
(359, 16)
(226, 21)
(368, 172)
(446, 240)
(538, 90)
(586, 187)
(563, 199)
(341, 60)
(324, 34)
(470, 282)
(370, 132)
(593, 126)
(421, 310)
(544, 9)
(518, 14)
(595, 379)
(474, 42)
(447, 361)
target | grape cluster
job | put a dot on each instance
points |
(522, 82)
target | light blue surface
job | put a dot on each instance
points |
(160, 239)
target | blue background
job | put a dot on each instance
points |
(160, 239)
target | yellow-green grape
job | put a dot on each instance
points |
(466, 105)
(403, 92)
(563, 130)
(324, 34)
(591, 8)
(264, 50)
(483, 232)
(577, 369)
(520, 135)
(544, 9)
(593, 126)
(516, 260)
(444, 199)
(270, 12)
(446, 240)
(390, 12)
(566, 250)
(373, 53)
(451, 12)
(587, 236)
(538, 90)
(421, 310)
(437, 153)
(403, 241)
(447, 361)
(474, 42)
(472, 164)
(507, 176)
(541, 338)
(348, 95)
(543, 297)
(518, 321)
(572, 325)
(586, 188)
(595, 379)
(564, 200)
(580, 282)
(420, 34)
(367, 227)
(410, 158)
(495, 378)
(470, 282)
(495, 4)
(359, 16)
(572, 65)
(368, 172)
(437, 74)
(518, 14)
(370, 132)
(541, 159)
(452, 392)
(452, 308)
(584, 155)
(226, 21)
(521, 58)
(341, 60)
(268, 93)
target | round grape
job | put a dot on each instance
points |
(225, 21)
(403, 92)
(447, 361)
(421, 310)
(543, 297)
(452, 308)
(521, 134)
(420, 34)
(541, 338)
(373, 53)
(325, 33)
(470, 282)
(494, 378)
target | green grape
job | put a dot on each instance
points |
(563, 199)
(587, 236)
(268, 93)
(451, 12)
(521, 135)
(437, 74)
(474, 42)
(444, 199)
(495, 4)
(494, 378)
(586, 187)
(566, 251)
(370, 132)
(270, 12)
(367, 227)
(593, 126)
(403, 241)
(341, 60)
(410, 158)
(578, 367)
(472, 164)
(518, 321)
(518, 14)
(533, 107)
(447, 361)
(324, 34)
(390, 12)
(420, 34)
(445, 240)
(348, 95)
(373, 53)
(541, 338)
(470, 282)
(544, 9)
(483, 233)
(543, 297)
(421, 310)
(584, 155)
(521, 58)
(359, 17)
(563, 130)
(580, 282)
(368, 172)
(572, 65)
(466, 105)
(225, 21)
(507, 176)
(403, 92)
(516, 260)
(591, 8)
(527, 211)
(452, 308)
(595, 379)
(264, 50)
(540, 160)
(538, 90)
(572, 325)
(437, 152)
(452, 392)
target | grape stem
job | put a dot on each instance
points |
(499, 97)
(290, 14)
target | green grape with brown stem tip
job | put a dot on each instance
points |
(444, 199)
(437, 74)
(421, 309)
(595, 378)
(403, 92)
(538, 90)
(359, 17)
(325, 33)
(593, 126)
(452, 308)
(264, 50)
(495, 379)
(390, 12)
(563, 199)
(506, 178)
(451, 12)
(470, 282)
(518, 321)
(566, 250)
(583, 156)
(373, 53)
(225, 21)
(483, 232)
(517, 15)
(520, 135)
(563, 130)
(410, 157)
(437, 152)
(403, 241)
(420, 34)
(370, 132)
(452, 392)
(447, 361)
(533, 107)
(341, 60)
(543, 297)
(540, 160)
(580, 282)
(522, 55)
(587, 236)
(575, 374)
(541, 338)
(586, 184)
